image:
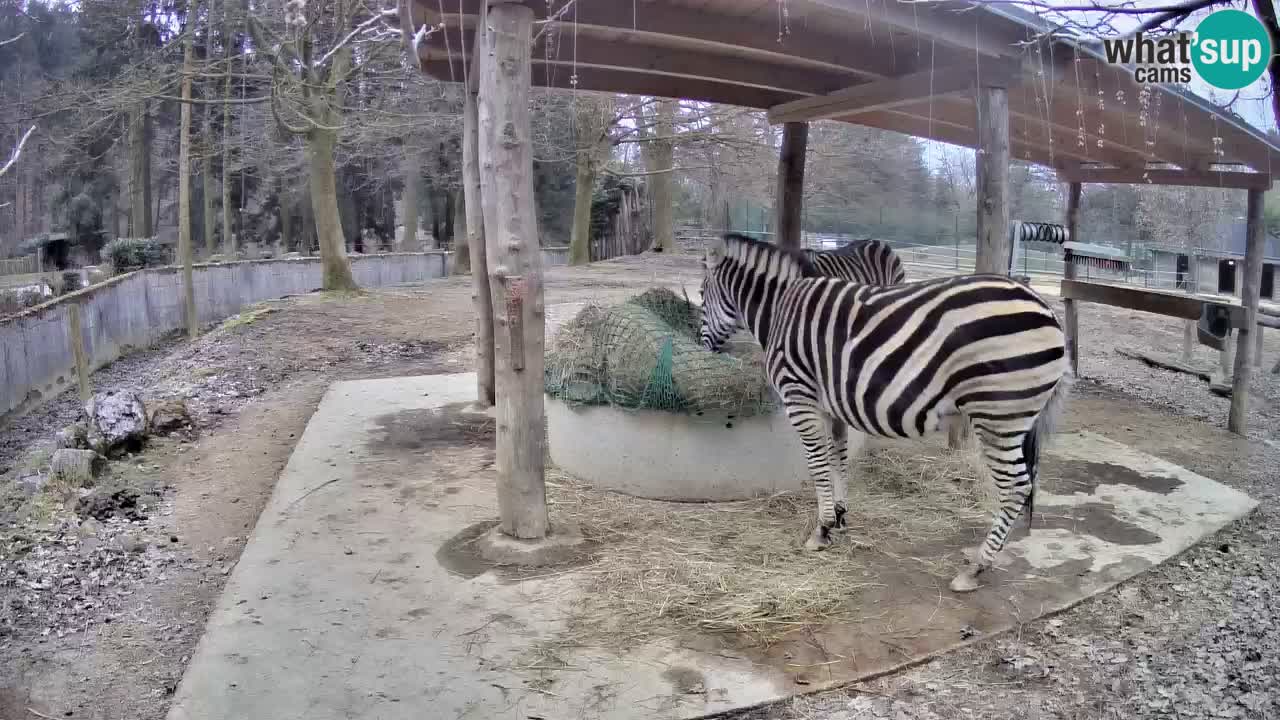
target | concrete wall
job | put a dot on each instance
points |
(137, 309)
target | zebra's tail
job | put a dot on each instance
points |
(1043, 428)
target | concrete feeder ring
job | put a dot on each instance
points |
(676, 456)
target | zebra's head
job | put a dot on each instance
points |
(719, 310)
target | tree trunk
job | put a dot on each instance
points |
(324, 206)
(461, 247)
(992, 179)
(481, 295)
(584, 188)
(662, 185)
(208, 187)
(790, 203)
(449, 213)
(515, 267)
(228, 237)
(184, 185)
(286, 221)
(140, 172)
(412, 169)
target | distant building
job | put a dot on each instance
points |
(1219, 268)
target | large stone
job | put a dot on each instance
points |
(76, 468)
(117, 422)
(169, 415)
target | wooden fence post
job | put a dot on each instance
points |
(473, 201)
(790, 192)
(75, 334)
(1249, 291)
(514, 266)
(992, 176)
(1072, 319)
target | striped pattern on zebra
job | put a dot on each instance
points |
(897, 361)
(870, 261)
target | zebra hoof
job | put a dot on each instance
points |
(819, 540)
(841, 524)
(966, 581)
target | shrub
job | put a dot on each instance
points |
(128, 254)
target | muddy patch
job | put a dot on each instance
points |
(1096, 519)
(415, 432)
(1086, 477)
(460, 555)
(685, 680)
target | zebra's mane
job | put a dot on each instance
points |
(737, 245)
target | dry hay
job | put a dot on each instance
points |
(665, 568)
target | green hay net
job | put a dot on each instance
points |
(644, 353)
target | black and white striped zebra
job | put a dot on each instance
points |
(897, 361)
(870, 262)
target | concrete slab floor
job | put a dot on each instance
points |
(356, 597)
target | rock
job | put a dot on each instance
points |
(117, 422)
(76, 468)
(170, 415)
(32, 484)
(102, 504)
(74, 436)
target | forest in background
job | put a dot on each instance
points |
(308, 124)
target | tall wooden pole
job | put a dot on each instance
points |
(184, 183)
(472, 201)
(514, 266)
(1250, 288)
(992, 168)
(1074, 191)
(789, 207)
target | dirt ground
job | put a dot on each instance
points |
(98, 619)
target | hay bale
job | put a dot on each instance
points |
(74, 436)
(645, 354)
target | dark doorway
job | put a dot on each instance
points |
(1268, 289)
(1184, 267)
(1227, 277)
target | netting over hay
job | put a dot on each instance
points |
(644, 353)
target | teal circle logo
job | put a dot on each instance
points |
(1232, 49)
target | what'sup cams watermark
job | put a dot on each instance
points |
(1229, 49)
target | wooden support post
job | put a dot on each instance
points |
(75, 334)
(1072, 319)
(474, 208)
(789, 205)
(1257, 347)
(992, 168)
(514, 265)
(1249, 291)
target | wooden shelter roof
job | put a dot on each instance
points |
(907, 67)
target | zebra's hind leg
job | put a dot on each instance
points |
(1013, 474)
(839, 464)
(811, 424)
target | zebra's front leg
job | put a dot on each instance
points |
(840, 467)
(811, 424)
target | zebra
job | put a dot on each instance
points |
(897, 361)
(869, 262)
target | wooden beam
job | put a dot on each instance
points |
(954, 24)
(992, 181)
(1159, 302)
(1072, 319)
(591, 79)
(515, 268)
(1256, 234)
(481, 294)
(889, 93)
(963, 134)
(1230, 179)
(628, 55)
(733, 35)
(789, 205)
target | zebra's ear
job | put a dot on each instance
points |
(716, 248)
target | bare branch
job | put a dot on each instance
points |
(15, 38)
(17, 151)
